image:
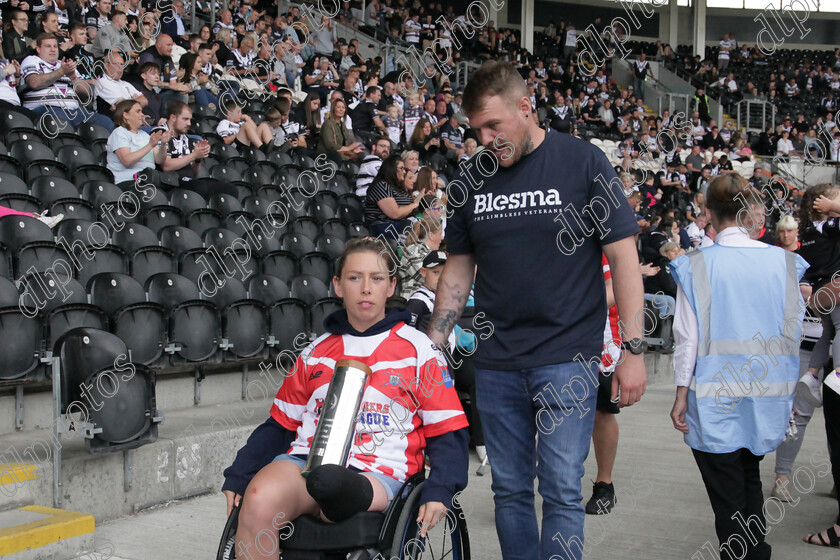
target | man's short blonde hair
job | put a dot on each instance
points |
(667, 247)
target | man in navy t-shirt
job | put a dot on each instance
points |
(534, 211)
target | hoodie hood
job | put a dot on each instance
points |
(337, 323)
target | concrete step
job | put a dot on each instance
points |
(173, 391)
(193, 448)
(43, 533)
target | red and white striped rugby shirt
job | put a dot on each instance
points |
(408, 398)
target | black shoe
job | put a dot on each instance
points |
(602, 500)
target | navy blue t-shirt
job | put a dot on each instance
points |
(532, 230)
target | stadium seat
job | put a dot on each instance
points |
(298, 244)
(336, 228)
(186, 200)
(151, 260)
(243, 320)
(20, 345)
(120, 395)
(133, 237)
(282, 264)
(239, 222)
(256, 205)
(73, 208)
(5, 263)
(21, 202)
(12, 184)
(155, 199)
(287, 319)
(51, 189)
(140, 324)
(324, 206)
(10, 120)
(16, 231)
(43, 167)
(267, 289)
(193, 323)
(159, 217)
(11, 166)
(65, 318)
(306, 226)
(82, 232)
(27, 151)
(224, 204)
(330, 245)
(203, 219)
(90, 132)
(320, 311)
(358, 229)
(319, 265)
(65, 139)
(74, 157)
(308, 289)
(9, 295)
(86, 173)
(281, 159)
(207, 187)
(42, 256)
(109, 258)
(224, 151)
(259, 241)
(350, 209)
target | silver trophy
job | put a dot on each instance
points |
(337, 424)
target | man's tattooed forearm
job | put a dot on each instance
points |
(443, 320)
(457, 293)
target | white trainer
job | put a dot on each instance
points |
(809, 390)
(51, 221)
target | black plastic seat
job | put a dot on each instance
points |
(109, 258)
(256, 205)
(10, 165)
(186, 200)
(306, 226)
(281, 159)
(16, 231)
(73, 208)
(320, 311)
(282, 264)
(76, 232)
(336, 228)
(159, 217)
(21, 202)
(74, 157)
(40, 293)
(208, 186)
(43, 167)
(9, 296)
(308, 289)
(350, 209)
(224, 203)
(152, 200)
(357, 229)
(180, 239)
(85, 173)
(139, 323)
(99, 192)
(202, 219)
(133, 237)
(268, 289)
(193, 323)
(224, 151)
(12, 184)
(297, 244)
(12, 119)
(20, 344)
(92, 132)
(330, 244)
(319, 265)
(51, 189)
(240, 223)
(22, 134)
(286, 320)
(65, 318)
(27, 151)
(243, 320)
(151, 260)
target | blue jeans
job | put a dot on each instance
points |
(205, 97)
(512, 404)
(664, 304)
(74, 117)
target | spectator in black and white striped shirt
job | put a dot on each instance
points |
(51, 86)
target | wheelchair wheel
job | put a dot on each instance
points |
(448, 540)
(228, 542)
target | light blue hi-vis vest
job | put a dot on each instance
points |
(749, 313)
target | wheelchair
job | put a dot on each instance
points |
(372, 535)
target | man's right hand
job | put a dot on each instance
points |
(202, 150)
(68, 67)
(232, 499)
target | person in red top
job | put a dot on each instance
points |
(605, 432)
(409, 407)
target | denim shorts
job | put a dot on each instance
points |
(391, 485)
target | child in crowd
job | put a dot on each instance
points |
(271, 462)
(394, 123)
(424, 238)
(240, 128)
(412, 115)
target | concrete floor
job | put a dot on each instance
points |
(663, 511)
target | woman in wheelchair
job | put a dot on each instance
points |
(409, 407)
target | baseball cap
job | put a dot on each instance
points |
(434, 259)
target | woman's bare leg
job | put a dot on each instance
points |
(275, 496)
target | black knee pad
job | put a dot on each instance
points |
(340, 492)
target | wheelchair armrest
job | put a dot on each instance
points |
(386, 535)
